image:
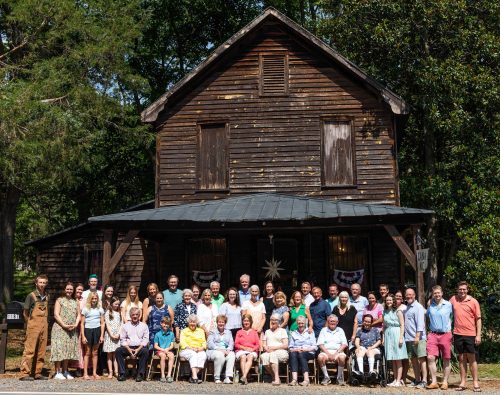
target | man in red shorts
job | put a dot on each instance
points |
(466, 333)
(439, 314)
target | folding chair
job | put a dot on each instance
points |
(154, 362)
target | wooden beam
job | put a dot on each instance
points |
(401, 243)
(107, 252)
(420, 273)
(120, 251)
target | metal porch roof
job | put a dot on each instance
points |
(260, 207)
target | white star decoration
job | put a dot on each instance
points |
(273, 268)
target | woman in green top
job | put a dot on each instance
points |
(297, 308)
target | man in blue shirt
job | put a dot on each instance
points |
(333, 299)
(358, 301)
(172, 296)
(440, 315)
(415, 338)
(320, 310)
(244, 291)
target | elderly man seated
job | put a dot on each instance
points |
(332, 343)
(134, 338)
(367, 343)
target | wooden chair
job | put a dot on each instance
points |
(255, 370)
(283, 368)
(313, 372)
(332, 368)
(180, 362)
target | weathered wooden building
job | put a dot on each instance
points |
(274, 154)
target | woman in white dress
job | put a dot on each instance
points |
(206, 312)
(255, 308)
(275, 347)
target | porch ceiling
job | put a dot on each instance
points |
(264, 207)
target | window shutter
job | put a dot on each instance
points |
(212, 157)
(273, 75)
(338, 154)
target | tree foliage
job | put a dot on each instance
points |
(63, 69)
(442, 57)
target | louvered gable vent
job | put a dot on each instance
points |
(273, 74)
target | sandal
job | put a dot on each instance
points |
(460, 388)
(477, 389)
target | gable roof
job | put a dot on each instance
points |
(395, 102)
(260, 207)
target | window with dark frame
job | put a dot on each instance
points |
(273, 74)
(212, 157)
(350, 253)
(338, 158)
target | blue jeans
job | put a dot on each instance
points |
(299, 360)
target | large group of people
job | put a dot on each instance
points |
(93, 330)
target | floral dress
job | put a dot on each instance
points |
(114, 325)
(154, 320)
(181, 314)
(65, 343)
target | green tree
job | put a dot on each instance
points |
(442, 57)
(178, 34)
(63, 73)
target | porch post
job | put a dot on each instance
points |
(420, 273)
(107, 252)
(111, 261)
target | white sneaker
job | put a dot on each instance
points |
(68, 376)
(217, 381)
(227, 380)
(59, 376)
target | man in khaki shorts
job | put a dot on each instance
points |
(332, 343)
(415, 338)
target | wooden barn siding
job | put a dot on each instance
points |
(64, 261)
(385, 260)
(275, 141)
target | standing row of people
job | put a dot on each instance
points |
(86, 319)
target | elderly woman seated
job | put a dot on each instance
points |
(275, 345)
(193, 345)
(220, 350)
(302, 348)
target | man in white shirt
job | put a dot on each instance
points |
(306, 293)
(332, 343)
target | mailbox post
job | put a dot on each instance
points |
(14, 320)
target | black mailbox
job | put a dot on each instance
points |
(15, 313)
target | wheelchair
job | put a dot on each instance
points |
(380, 367)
